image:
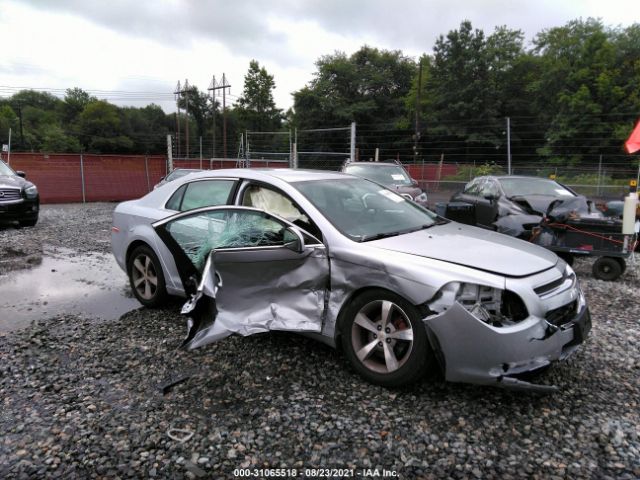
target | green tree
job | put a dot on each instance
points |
(54, 139)
(368, 87)
(256, 108)
(197, 106)
(8, 119)
(587, 92)
(74, 103)
(102, 130)
(471, 86)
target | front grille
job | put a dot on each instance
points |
(8, 194)
(541, 290)
(562, 315)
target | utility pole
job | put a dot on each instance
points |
(184, 91)
(177, 94)
(211, 88)
(417, 119)
(222, 86)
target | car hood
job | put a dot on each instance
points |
(473, 247)
(540, 203)
(10, 181)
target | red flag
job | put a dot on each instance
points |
(633, 142)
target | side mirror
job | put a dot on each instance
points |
(20, 173)
(293, 240)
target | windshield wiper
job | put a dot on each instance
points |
(378, 236)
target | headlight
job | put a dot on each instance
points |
(496, 307)
(31, 192)
(422, 198)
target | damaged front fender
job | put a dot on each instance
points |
(476, 352)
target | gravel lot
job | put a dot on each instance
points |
(84, 399)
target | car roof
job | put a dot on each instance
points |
(373, 163)
(525, 177)
(288, 175)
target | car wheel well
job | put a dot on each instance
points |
(345, 306)
(135, 244)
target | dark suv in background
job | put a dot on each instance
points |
(19, 199)
(390, 174)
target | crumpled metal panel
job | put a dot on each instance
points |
(476, 352)
(242, 294)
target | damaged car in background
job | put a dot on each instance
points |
(359, 267)
(513, 205)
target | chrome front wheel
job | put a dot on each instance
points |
(385, 340)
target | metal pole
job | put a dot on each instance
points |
(213, 101)
(295, 156)
(9, 147)
(508, 146)
(224, 116)
(352, 150)
(186, 113)
(169, 155)
(377, 155)
(84, 199)
(246, 151)
(417, 119)
(200, 152)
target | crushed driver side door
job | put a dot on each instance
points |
(246, 271)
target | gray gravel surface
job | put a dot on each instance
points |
(83, 228)
(81, 400)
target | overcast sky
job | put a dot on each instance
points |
(146, 46)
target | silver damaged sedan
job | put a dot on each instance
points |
(342, 259)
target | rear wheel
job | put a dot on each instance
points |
(146, 277)
(385, 340)
(607, 268)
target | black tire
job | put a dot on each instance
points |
(29, 223)
(143, 267)
(607, 268)
(413, 357)
(623, 264)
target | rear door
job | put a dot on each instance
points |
(247, 271)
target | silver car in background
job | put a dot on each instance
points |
(342, 259)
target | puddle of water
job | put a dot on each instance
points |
(65, 282)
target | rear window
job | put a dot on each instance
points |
(203, 193)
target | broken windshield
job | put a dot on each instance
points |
(362, 210)
(533, 186)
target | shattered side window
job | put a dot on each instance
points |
(200, 233)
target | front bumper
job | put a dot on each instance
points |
(474, 352)
(19, 210)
